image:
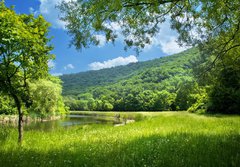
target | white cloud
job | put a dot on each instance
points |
(116, 28)
(166, 40)
(50, 12)
(51, 64)
(171, 46)
(113, 62)
(33, 11)
(69, 66)
(101, 39)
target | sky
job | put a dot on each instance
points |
(106, 55)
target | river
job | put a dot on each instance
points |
(72, 120)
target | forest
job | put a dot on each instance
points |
(176, 110)
(165, 84)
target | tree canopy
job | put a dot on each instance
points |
(24, 55)
(197, 21)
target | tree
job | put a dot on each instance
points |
(24, 54)
(164, 101)
(213, 26)
(6, 105)
(225, 93)
(146, 100)
(139, 20)
(85, 96)
(91, 104)
(107, 106)
(46, 97)
(185, 98)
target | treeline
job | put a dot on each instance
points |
(44, 99)
(180, 95)
(165, 84)
(184, 81)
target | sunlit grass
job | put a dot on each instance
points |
(161, 139)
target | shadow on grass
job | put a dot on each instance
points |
(175, 149)
(218, 115)
(5, 132)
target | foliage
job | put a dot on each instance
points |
(24, 52)
(214, 26)
(224, 78)
(6, 105)
(225, 94)
(162, 139)
(197, 21)
(46, 97)
(162, 84)
(24, 56)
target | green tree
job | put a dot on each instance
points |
(70, 102)
(107, 106)
(196, 20)
(46, 97)
(146, 100)
(99, 105)
(225, 94)
(184, 98)
(6, 105)
(82, 105)
(85, 96)
(92, 104)
(24, 54)
(164, 101)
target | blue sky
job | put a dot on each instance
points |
(68, 60)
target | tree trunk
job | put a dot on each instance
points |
(20, 118)
(20, 126)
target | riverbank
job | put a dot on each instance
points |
(13, 119)
(166, 139)
(124, 115)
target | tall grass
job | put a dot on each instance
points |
(161, 139)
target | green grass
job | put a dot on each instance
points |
(161, 139)
(137, 116)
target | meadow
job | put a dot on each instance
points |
(157, 139)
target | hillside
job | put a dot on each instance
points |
(166, 83)
(74, 84)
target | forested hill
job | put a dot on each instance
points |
(75, 84)
(166, 83)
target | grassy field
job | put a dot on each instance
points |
(160, 139)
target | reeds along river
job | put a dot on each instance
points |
(13, 119)
(69, 120)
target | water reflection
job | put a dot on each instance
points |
(72, 120)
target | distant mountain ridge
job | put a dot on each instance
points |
(74, 84)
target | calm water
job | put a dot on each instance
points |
(72, 120)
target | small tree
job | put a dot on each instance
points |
(24, 54)
(91, 104)
(107, 106)
(46, 97)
